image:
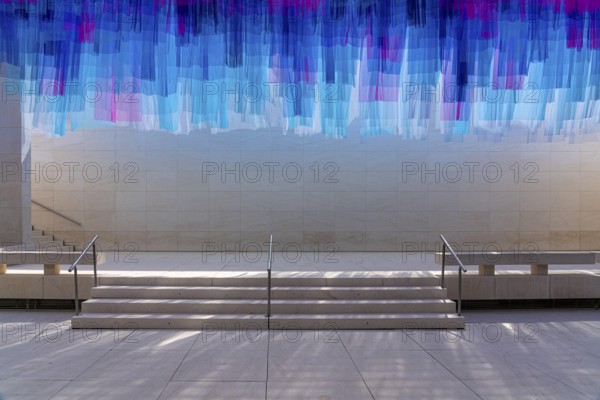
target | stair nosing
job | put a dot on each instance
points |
(224, 288)
(273, 316)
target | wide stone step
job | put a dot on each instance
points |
(279, 279)
(368, 321)
(189, 306)
(168, 321)
(277, 321)
(279, 292)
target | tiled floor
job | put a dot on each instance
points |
(504, 355)
(548, 354)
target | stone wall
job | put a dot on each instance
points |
(229, 191)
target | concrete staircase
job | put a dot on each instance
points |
(45, 241)
(41, 241)
(330, 300)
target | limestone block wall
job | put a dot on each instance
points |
(229, 191)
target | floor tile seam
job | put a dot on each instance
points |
(451, 373)
(106, 353)
(551, 376)
(178, 366)
(466, 381)
(356, 366)
(67, 383)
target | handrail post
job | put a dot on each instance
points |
(76, 292)
(461, 269)
(269, 265)
(269, 294)
(443, 263)
(73, 268)
(458, 304)
(95, 264)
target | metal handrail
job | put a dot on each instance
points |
(73, 267)
(269, 266)
(461, 269)
(37, 203)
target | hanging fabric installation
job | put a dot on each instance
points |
(401, 67)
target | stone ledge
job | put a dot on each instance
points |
(538, 261)
(51, 260)
(518, 285)
(47, 287)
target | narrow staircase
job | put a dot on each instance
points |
(328, 300)
(41, 241)
(45, 241)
